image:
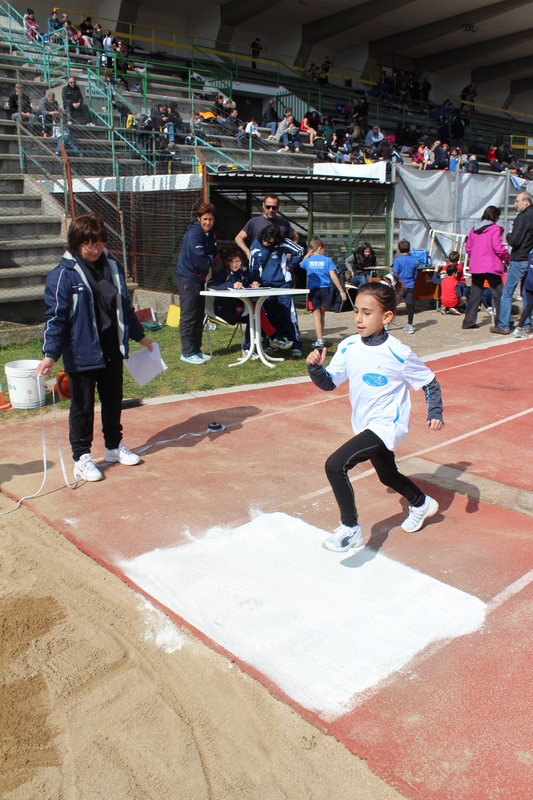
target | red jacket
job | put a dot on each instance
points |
(448, 297)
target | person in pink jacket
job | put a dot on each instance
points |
(487, 257)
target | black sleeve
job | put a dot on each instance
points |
(434, 400)
(320, 377)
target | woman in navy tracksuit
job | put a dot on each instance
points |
(199, 251)
(89, 320)
(269, 266)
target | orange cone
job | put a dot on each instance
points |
(3, 405)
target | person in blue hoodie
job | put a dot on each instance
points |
(270, 256)
(89, 320)
(405, 269)
(199, 251)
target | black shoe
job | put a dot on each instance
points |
(469, 327)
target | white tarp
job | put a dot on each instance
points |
(434, 192)
(377, 171)
(140, 183)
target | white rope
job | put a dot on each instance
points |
(31, 496)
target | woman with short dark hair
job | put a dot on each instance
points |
(487, 257)
(199, 251)
(89, 321)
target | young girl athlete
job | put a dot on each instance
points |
(379, 369)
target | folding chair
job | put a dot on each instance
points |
(210, 315)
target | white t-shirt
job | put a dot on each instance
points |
(379, 378)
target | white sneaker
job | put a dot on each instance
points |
(85, 470)
(204, 356)
(122, 455)
(416, 517)
(343, 538)
(280, 344)
(408, 329)
(245, 353)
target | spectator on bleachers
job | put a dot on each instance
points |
(256, 51)
(312, 72)
(54, 23)
(48, 106)
(334, 153)
(86, 30)
(63, 135)
(492, 158)
(288, 134)
(429, 157)
(442, 156)
(98, 37)
(232, 125)
(464, 97)
(384, 151)
(445, 110)
(306, 128)
(418, 158)
(255, 225)
(455, 158)
(218, 108)
(64, 20)
(374, 137)
(322, 78)
(457, 130)
(473, 166)
(326, 125)
(21, 110)
(270, 118)
(426, 88)
(320, 147)
(326, 65)
(73, 102)
(75, 39)
(444, 131)
(175, 118)
(109, 48)
(473, 97)
(30, 25)
(251, 129)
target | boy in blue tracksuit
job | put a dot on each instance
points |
(270, 255)
(405, 269)
(321, 273)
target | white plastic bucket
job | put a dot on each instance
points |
(22, 384)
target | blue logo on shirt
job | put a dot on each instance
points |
(373, 379)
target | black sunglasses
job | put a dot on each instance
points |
(276, 207)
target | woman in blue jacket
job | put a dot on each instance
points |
(89, 320)
(199, 251)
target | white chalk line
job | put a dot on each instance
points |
(481, 360)
(510, 591)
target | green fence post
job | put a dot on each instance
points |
(250, 149)
(121, 217)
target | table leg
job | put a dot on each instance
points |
(257, 324)
(249, 307)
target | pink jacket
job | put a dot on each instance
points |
(485, 248)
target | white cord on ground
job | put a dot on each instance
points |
(31, 496)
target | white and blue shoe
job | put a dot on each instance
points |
(417, 516)
(343, 538)
(196, 359)
(204, 356)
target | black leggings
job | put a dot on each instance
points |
(478, 282)
(366, 446)
(525, 313)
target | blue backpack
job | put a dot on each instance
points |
(423, 259)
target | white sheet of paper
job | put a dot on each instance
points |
(144, 365)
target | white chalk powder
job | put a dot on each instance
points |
(160, 630)
(323, 626)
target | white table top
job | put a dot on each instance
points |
(262, 291)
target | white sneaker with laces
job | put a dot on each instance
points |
(122, 455)
(204, 356)
(280, 344)
(416, 517)
(343, 538)
(85, 470)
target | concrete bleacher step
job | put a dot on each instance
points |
(21, 204)
(19, 294)
(22, 253)
(34, 275)
(11, 184)
(30, 226)
(9, 163)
